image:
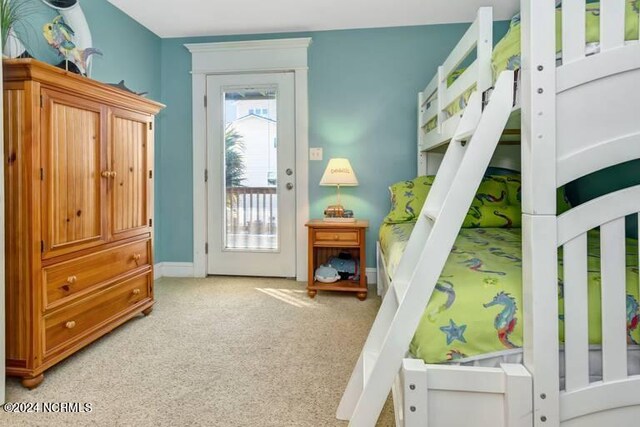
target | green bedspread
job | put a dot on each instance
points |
(476, 308)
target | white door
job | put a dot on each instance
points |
(251, 196)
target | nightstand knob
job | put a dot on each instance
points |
(336, 237)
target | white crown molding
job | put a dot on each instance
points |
(249, 56)
(297, 43)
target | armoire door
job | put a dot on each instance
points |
(130, 158)
(73, 159)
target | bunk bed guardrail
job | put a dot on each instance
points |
(438, 95)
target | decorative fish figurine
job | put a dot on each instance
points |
(59, 35)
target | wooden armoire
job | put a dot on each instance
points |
(79, 212)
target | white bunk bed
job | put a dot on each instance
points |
(576, 118)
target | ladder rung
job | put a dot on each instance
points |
(368, 362)
(465, 135)
(399, 288)
(430, 214)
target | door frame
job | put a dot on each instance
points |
(279, 261)
(255, 56)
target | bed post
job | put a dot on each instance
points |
(422, 156)
(539, 233)
(484, 48)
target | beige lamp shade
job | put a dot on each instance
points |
(339, 172)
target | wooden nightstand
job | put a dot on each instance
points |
(327, 239)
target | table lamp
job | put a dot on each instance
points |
(339, 172)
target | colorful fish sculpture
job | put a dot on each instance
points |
(59, 35)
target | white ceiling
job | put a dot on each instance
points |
(225, 17)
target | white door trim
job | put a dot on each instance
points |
(254, 56)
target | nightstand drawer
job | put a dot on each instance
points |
(332, 237)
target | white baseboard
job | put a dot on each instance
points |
(185, 269)
(372, 276)
(173, 269)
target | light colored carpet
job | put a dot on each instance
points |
(214, 352)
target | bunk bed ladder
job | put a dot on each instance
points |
(456, 183)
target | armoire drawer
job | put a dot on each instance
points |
(65, 280)
(82, 317)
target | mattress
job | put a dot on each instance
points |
(476, 309)
(517, 356)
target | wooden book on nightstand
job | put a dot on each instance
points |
(327, 239)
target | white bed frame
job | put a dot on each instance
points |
(576, 118)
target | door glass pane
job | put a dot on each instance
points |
(250, 154)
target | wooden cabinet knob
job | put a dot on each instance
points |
(70, 324)
(108, 174)
(136, 291)
(72, 279)
(136, 258)
(336, 237)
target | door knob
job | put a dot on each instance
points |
(289, 172)
(289, 186)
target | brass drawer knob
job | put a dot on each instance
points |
(105, 174)
(72, 279)
(70, 324)
(113, 174)
(136, 258)
(136, 291)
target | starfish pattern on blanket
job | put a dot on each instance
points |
(454, 332)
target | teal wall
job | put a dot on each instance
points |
(130, 52)
(363, 87)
